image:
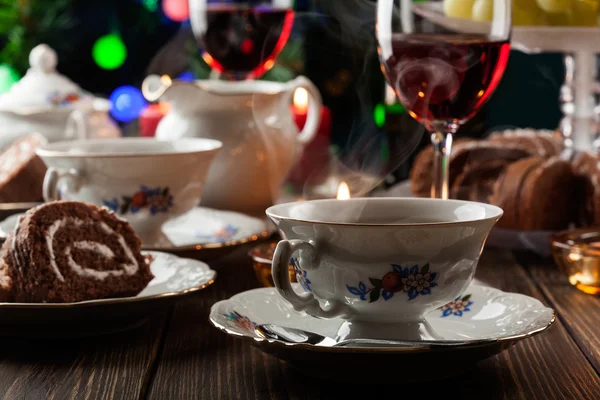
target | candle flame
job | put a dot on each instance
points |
(301, 100)
(343, 191)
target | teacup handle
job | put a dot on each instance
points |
(52, 181)
(315, 103)
(283, 253)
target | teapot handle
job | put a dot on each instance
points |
(315, 103)
(154, 87)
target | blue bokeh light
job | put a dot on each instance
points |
(187, 76)
(127, 103)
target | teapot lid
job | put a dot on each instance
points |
(41, 87)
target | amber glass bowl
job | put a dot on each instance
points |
(262, 258)
(577, 253)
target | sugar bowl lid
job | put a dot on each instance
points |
(42, 88)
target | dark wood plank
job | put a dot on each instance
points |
(579, 312)
(200, 362)
(118, 366)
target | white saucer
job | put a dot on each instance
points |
(201, 229)
(489, 318)
(173, 278)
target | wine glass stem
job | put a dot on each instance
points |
(442, 146)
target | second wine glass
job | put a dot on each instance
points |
(241, 39)
(442, 76)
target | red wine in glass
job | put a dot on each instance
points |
(445, 77)
(243, 43)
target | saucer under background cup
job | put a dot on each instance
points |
(205, 232)
(490, 318)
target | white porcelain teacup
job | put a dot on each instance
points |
(144, 181)
(379, 263)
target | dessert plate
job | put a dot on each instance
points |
(202, 230)
(174, 277)
(485, 320)
(532, 39)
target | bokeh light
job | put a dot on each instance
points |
(8, 77)
(151, 5)
(187, 76)
(109, 52)
(176, 10)
(127, 103)
(379, 115)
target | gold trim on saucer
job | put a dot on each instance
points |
(259, 342)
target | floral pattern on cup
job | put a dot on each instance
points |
(224, 234)
(413, 281)
(156, 200)
(301, 276)
(242, 322)
(457, 307)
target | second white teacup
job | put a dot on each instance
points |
(144, 181)
(381, 264)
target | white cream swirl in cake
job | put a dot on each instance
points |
(101, 249)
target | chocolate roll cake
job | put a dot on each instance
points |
(539, 142)
(587, 188)
(507, 191)
(535, 194)
(66, 252)
(421, 172)
(547, 197)
(22, 171)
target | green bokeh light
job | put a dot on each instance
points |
(151, 5)
(379, 115)
(8, 77)
(109, 52)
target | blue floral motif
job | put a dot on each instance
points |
(413, 281)
(223, 235)
(155, 200)
(457, 307)
(301, 275)
(112, 205)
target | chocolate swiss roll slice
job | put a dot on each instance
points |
(70, 252)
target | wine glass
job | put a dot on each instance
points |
(241, 39)
(442, 73)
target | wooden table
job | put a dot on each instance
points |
(179, 355)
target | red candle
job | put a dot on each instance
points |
(150, 117)
(314, 162)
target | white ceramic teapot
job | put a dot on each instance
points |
(52, 105)
(253, 119)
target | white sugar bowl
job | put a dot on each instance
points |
(49, 103)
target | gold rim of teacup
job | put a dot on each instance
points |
(48, 150)
(270, 213)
